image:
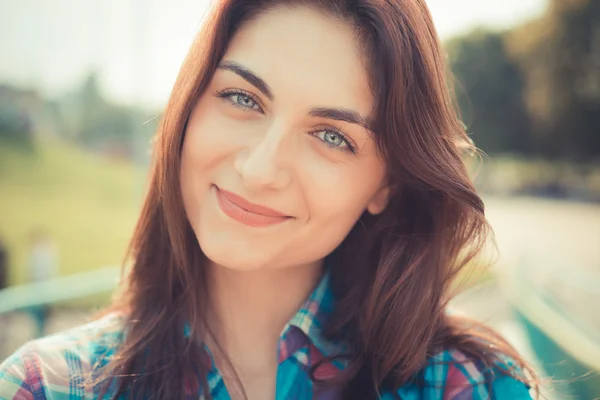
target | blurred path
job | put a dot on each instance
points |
(556, 246)
(559, 231)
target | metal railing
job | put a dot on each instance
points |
(57, 290)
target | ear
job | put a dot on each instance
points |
(379, 201)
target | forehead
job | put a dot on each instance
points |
(301, 51)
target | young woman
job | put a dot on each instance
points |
(307, 211)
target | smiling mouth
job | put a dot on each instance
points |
(247, 213)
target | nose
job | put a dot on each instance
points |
(261, 164)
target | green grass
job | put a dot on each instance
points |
(87, 203)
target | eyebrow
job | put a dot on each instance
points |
(341, 114)
(248, 76)
(338, 114)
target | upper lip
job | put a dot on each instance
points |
(251, 207)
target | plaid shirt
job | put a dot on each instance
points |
(55, 367)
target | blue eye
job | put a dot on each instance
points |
(240, 99)
(334, 138)
(243, 100)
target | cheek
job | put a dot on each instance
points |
(206, 136)
(211, 137)
(336, 205)
(200, 155)
(337, 199)
(336, 191)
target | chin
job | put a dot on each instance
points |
(237, 260)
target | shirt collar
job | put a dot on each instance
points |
(311, 318)
(313, 315)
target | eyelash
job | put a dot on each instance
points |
(227, 93)
(330, 129)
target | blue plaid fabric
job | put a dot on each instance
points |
(56, 367)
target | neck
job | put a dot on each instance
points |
(248, 310)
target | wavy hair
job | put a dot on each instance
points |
(391, 276)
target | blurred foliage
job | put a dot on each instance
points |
(535, 88)
(16, 125)
(510, 175)
(84, 117)
(491, 96)
(102, 126)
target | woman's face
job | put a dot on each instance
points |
(278, 162)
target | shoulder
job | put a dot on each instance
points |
(61, 364)
(453, 375)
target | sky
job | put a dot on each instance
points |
(137, 46)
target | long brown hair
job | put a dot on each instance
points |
(391, 276)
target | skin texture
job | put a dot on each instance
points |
(271, 150)
(274, 154)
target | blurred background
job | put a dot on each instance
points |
(83, 82)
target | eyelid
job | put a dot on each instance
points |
(223, 94)
(351, 145)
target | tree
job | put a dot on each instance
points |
(18, 109)
(489, 92)
(101, 124)
(110, 124)
(559, 55)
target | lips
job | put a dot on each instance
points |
(246, 212)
